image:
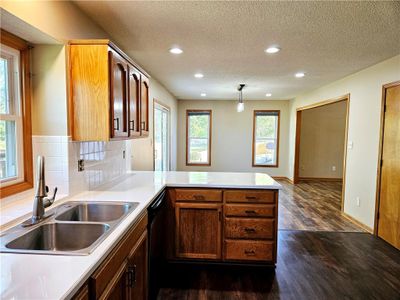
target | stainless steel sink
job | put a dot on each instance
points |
(95, 212)
(59, 237)
(73, 228)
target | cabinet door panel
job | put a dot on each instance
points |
(118, 95)
(198, 230)
(144, 106)
(134, 103)
(137, 270)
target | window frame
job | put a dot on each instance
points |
(166, 109)
(25, 91)
(276, 165)
(194, 111)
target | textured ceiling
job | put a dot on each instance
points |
(226, 42)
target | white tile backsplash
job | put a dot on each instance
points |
(104, 162)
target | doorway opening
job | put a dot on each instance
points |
(320, 147)
(162, 129)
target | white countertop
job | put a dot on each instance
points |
(28, 276)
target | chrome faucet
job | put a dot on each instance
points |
(41, 200)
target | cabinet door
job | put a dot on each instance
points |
(118, 95)
(144, 106)
(134, 103)
(117, 288)
(198, 230)
(137, 270)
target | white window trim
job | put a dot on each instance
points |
(159, 106)
(17, 116)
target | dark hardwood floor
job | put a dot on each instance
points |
(311, 265)
(313, 206)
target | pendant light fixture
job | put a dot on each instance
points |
(240, 105)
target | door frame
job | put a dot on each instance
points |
(379, 166)
(296, 177)
(155, 101)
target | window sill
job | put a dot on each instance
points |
(15, 189)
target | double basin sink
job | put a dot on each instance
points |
(73, 228)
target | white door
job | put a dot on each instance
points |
(161, 138)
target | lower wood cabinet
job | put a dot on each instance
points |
(198, 230)
(123, 274)
(224, 225)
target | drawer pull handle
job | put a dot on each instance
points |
(250, 252)
(132, 125)
(116, 127)
(251, 197)
(249, 230)
(198, 197)
(250, 212)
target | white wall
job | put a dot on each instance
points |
(322, 141)
(61, 20)
(231, 146)
(142, 153)
(365, 88)
(49, 101)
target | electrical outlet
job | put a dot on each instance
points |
(81, 165)
(333, 168)
(358, 201)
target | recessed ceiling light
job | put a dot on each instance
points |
(176, 50)
(268, 94)
(272, 50)
(299, 74)
(203, 94)
(198, 75)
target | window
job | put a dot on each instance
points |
(266, 138)
(15, 119)
(161, 138)
(198, 137)
(11, 148)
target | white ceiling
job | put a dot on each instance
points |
(226, 42)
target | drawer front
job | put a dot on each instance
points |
(250, 210)
(200, 195)
(244, 228)
(249, 250)
(249, 196)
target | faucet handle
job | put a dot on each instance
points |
(49, 201)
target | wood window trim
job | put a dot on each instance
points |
(276, 165)
(188, 111)
(21, 45)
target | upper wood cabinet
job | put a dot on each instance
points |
(118, 95)
(134, 101)
(108, 93)
(144, 106)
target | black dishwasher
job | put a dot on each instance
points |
(156, 242)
